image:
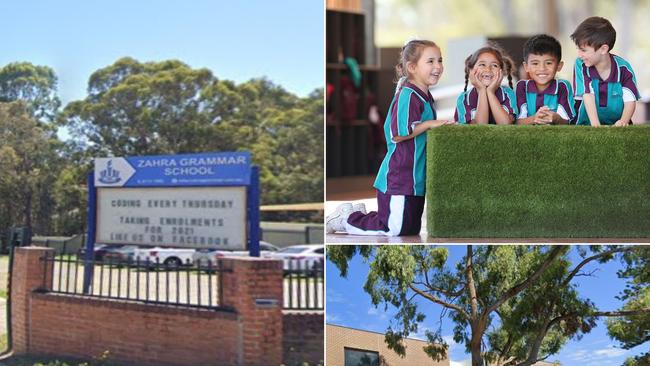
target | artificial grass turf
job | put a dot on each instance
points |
(538, 181)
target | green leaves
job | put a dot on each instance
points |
(28, 161)
(167, 107)
(33, 85)
(633, 330)
(535, 320)
(136, 108)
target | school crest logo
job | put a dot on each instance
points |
(109, 175)
(112, 172)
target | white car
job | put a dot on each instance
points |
(202, 256)
(173, 257)
(308, 256)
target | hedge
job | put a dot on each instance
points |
(538, 181)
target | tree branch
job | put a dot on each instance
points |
(469, 263)
(599, 314)
(622, 313)
(557, 250)
(439, 301)
(444, 292)
(592, 258)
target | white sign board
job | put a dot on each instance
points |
(197, 217)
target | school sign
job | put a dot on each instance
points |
(208, 200)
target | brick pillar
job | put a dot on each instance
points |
(27, 276)
(254, 289)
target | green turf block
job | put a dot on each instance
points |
(538, 181)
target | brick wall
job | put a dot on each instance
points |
(131, 332)
(253, 280)
(339, 338)
(303, 337)
(27, 276)
(56, 324)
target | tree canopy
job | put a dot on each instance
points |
(34, 85)
(510, 305)
(146, 108)
(135, 108)
(28, 161)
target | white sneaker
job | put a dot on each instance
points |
(337, 219)
(361, 207)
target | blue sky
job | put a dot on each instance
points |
(237, 40)
(348, 305)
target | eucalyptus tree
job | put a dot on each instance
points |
(511, 305)
(28, 162)
(34, 85)
(634, 330)
(473, 290)
(536, 323)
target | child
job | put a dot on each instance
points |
(401, 178)
(605, 85)
(543, 99)
(488, 101)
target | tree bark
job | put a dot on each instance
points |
(477, 332)
(475, 346)
(534, 352)
(28, 209)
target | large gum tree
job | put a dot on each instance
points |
(510, 305)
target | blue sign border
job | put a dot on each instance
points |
(228, 170)
(204, 169)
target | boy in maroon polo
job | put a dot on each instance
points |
(543, 99)
(605, 84)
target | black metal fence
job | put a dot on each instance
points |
(304, 284)
(138, 280)
(192, 285)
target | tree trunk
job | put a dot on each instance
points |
(476, 324)
(28, 210)
(475, 347)
(534, 351)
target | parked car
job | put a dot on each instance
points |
(100, 251)
(123, 254)
(202, 256)
(308, 256)
(173, 257)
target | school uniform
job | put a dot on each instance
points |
(610, 94)
(401, 179)
(467, 103)
(558, 97)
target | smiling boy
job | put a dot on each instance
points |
(543, 99)
(606, 91)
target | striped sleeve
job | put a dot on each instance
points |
(520, 93)
(565, 102)
(581, 79)
(461, 109)
(509, 101)
(628, 83)
(409, 111)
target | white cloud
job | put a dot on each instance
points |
(578, 355)
(334, 296)
(332, 318)
(467, 362)
(610, 352)
(421, 334)
(450, 341)
(375, 312)
(597, 357)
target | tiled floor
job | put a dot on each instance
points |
(359, 189)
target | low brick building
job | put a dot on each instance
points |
(353, 347)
